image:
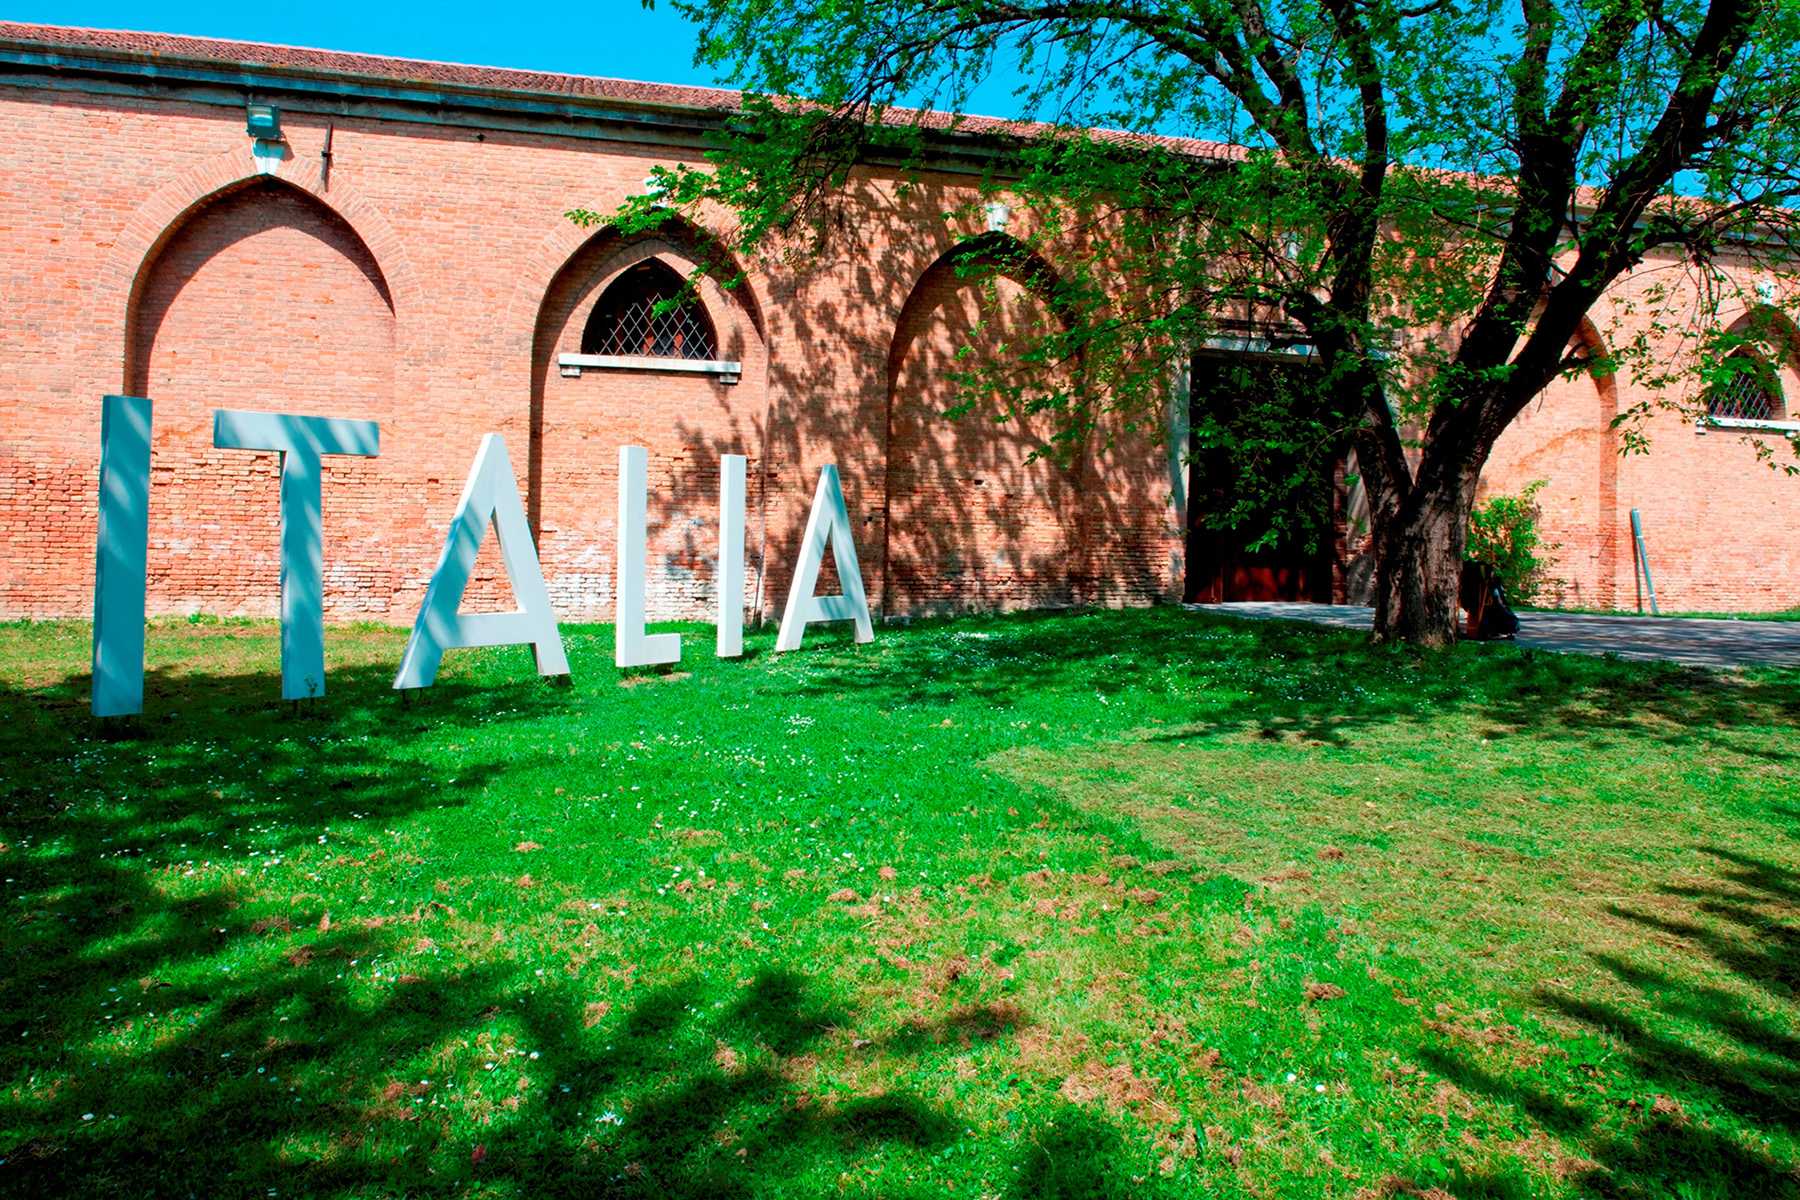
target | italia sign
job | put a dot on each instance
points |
(491, 496)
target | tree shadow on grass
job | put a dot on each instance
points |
(103, 825)
(1070, 1158)
(1519, 691)
(1751, 1085)
(163, 1038)
(629, 1107)
(1332, 686)
(1321, 684)
(101, 928)
(1685, 1157)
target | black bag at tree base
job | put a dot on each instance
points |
(1483, 597)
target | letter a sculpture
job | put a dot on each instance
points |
(829, 522)
(491, 494)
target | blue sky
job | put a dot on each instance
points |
(603, 37)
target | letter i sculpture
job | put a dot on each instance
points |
(732, 469)
(632, 646)
(121, 555)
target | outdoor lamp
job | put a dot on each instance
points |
(263, 122)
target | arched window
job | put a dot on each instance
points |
(626, 320)
(1750, 392)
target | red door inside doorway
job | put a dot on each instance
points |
(1266, 498)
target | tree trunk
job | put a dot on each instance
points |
(1418, 560)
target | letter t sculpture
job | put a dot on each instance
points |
(300, 441)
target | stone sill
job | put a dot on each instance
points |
(1244, 346)
(1705, 425)
(573, 364)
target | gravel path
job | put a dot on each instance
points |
(1693, 641)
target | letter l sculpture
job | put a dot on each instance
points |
(632, 647)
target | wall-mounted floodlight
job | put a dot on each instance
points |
(263, 122)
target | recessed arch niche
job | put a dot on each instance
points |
(685, 418)
(1565, 437)
(262, 297)
(972, 523)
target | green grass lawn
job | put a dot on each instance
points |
(1129, 904)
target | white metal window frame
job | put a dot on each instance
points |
(572, 365)
(1708, 423)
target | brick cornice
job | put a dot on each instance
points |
(211, 71)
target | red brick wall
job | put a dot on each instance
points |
(971, 523)
(264, 299)
(686, 421)
(430, 281)
(1722, 529)
(1565, 439)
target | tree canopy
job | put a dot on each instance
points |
(1428, 196)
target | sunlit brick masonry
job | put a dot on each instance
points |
(389, 246)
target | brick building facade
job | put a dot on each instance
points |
(401, 254)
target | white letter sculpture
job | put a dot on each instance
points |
(121, 552)
(632, 646)
(829, 521)
(491, 494)
(731, 554)
(300, 441)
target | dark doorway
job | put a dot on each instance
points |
(1265, 498)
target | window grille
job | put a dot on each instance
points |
(1747, 394)
(626, 320)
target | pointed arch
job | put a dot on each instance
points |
(1566, 437)
(1002, 254)
(602, 256)
(285, 273)
(971, 520)
(1599, 353)
(578, 418)
(1770, 344)
(239, 286)
(119, 282)
(1771, 323)
(562, 244)
(626, 318)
